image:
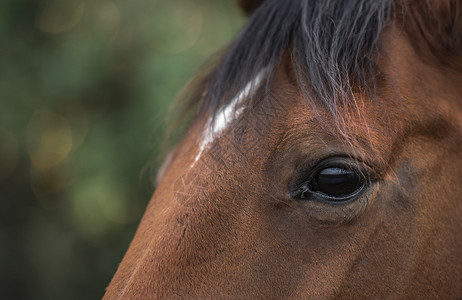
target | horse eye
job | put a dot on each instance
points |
(337, 182)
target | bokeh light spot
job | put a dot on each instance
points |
(49, 181)
(58, 16)
(8, 153)
(108, 20)
(217, 32)
(49, 139)
(89, 218)
(179, 26)
(115, 208)
(77, 116)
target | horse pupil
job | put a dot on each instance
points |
(338, 182)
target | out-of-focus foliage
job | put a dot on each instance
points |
(84, 88)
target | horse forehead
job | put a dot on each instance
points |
(285, 113)
(288, 112)
(217, 124)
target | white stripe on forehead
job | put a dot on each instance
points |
(227, 114)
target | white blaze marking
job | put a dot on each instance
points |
(225, 115)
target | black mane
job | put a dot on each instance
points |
(332, 43)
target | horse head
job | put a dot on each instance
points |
(323, 160)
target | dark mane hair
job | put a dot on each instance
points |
(332, 44)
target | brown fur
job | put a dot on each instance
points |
(227, 228)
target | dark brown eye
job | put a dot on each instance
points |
(334, 180)
(337, 182)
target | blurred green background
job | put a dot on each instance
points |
(84, 91)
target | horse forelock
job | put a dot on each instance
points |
(333, 48)
(435, 30)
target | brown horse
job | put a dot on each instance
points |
(324, 160)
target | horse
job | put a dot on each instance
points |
(322, 160)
